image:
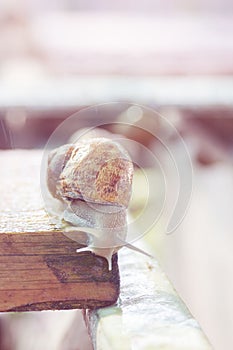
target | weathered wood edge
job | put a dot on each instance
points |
(48, 260)
(28, 237)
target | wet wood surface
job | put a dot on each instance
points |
(149, 314)
(39, 266)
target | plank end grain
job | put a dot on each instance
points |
(39, 266)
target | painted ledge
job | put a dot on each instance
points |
(149, 314)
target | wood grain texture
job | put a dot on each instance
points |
(39, 266)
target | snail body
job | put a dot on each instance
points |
(92, 180)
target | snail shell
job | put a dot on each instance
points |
(97, 170)
(93, 179)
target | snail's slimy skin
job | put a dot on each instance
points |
(92, 182)
(105, 225)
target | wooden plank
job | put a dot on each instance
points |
(39, 266)
(144, 45)
(149, 315)
(78, 92)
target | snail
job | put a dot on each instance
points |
(92, 180)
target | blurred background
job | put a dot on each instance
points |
(57, 57)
